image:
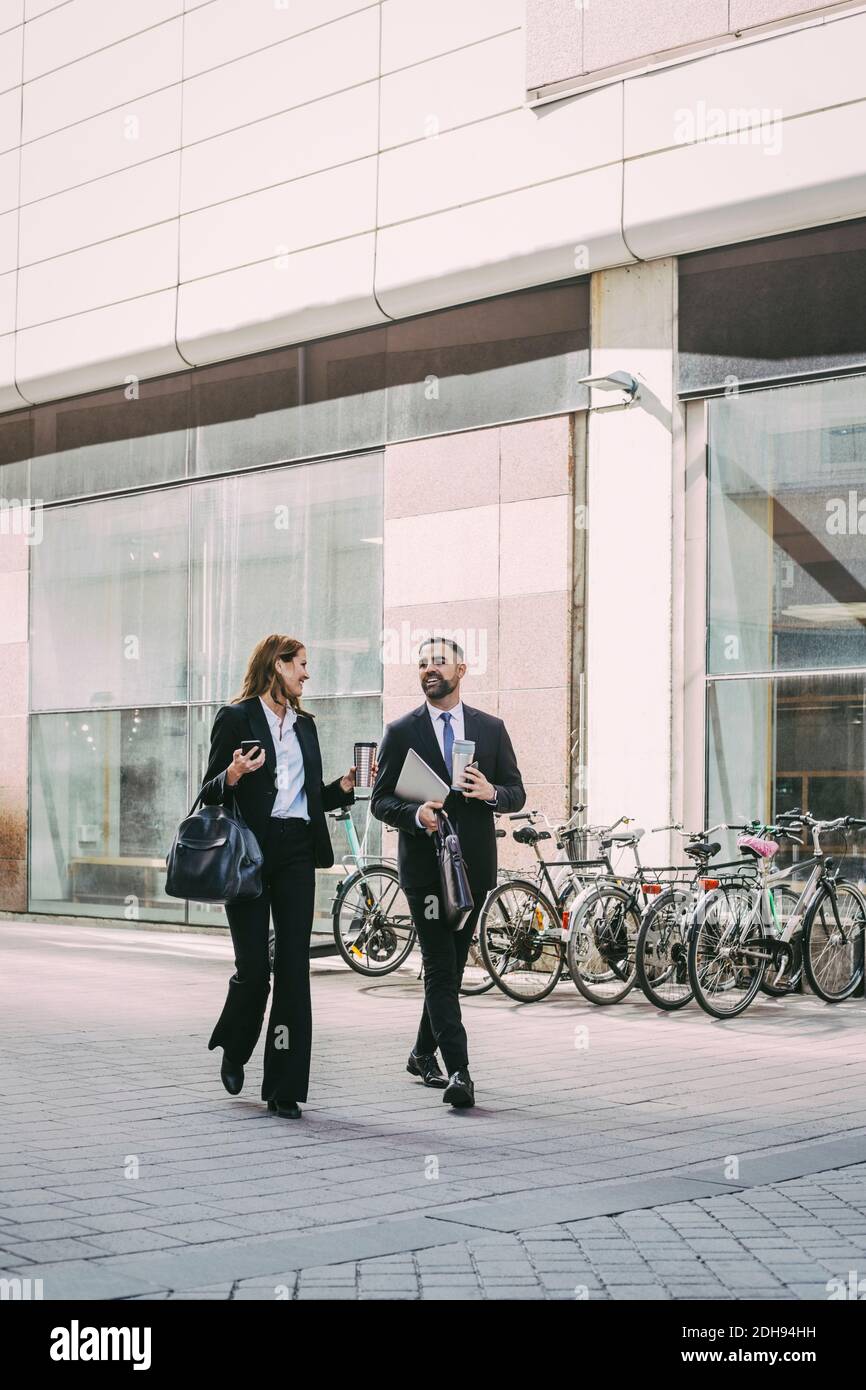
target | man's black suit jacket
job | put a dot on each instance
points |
(257, 791)
(472, 819)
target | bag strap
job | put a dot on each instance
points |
(443, 825)
(233, 804)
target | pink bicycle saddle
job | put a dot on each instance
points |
(764, 848)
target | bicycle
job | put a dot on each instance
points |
(661, 952)
(373, 928)
(523, 922)
(735, 943)
(601, 947)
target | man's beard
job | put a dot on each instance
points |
(441, 686)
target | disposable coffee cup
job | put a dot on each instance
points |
(461, 755)
(364, 755)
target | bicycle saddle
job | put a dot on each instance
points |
(756, 847)
(527, 835)
(703, 850)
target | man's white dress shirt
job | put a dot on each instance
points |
(291, 799)
(457, 727)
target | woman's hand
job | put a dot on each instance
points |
(241, 765)
(347, 781)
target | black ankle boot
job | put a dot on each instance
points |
(232, 1074)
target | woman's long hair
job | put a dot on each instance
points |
(262, 677)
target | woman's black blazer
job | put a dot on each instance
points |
(256, 792)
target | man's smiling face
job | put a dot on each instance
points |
(439, 670)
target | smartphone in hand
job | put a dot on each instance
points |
(465, 770)
(250, 747)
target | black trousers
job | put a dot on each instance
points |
(444, 955)
(289, 885)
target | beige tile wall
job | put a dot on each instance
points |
(565, 38)
(14, 566)
(478, 545)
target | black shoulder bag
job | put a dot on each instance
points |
(457, 900)
(215, 857)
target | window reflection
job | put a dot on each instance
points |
(787, 528)
(109, 603)
(295, 550)
(105, 793)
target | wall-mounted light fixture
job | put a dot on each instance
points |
(614, 381)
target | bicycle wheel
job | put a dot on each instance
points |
(833, 941)
(727, 951)
(602, 944)
(477, 979)
(784, 977)
(662, 950)
(373, 927)
(520, 935)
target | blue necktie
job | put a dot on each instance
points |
(447, 740)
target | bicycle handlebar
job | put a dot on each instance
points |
(696, 834)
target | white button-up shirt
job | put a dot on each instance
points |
(457, 728)
(291, 799)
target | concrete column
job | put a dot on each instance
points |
(14, 567)
(633, 460)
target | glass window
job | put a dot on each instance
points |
(294, 550)
(125, 438)
(787, 520)
(774, 308)
(16, 446)
(106, 789)
(510, 357)
(320, 398)
(792, 741)
(499, 359)
(109, 603)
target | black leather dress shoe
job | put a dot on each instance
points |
(232, 1074)
(460, 1091)
(287, 1109)
(425, 1065)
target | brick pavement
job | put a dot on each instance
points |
(614, 1153)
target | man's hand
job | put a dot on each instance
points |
(427, 813)
(476, 786)
(240, 766)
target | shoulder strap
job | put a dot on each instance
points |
(232, 804)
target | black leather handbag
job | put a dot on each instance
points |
(456, 895)
(215, 857)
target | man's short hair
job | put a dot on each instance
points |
(445, 642)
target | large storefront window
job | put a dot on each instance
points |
(109, 601)
(788, 529)
(107, 790)
(786, 653)
(289, 550)
(144, 610)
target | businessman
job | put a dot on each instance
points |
(492, 785)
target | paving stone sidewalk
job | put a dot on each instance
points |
(614, 1154)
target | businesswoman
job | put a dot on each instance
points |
(280, 794)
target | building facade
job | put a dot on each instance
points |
(296, 305)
